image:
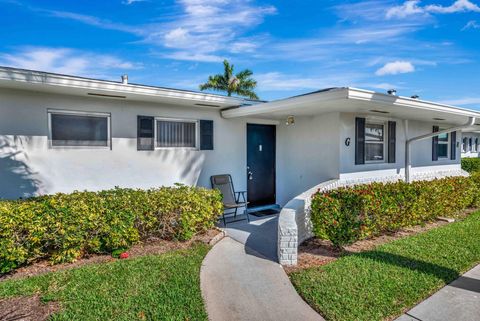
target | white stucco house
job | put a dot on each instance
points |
(471, 144)
(61, 133)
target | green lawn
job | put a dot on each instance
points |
(154, 287)
(383, 283)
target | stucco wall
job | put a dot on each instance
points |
(421, 151)
(307, 153)
(28, 166)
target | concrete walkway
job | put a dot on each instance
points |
(458, 301)
(241, 281)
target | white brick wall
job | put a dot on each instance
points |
(294, 225)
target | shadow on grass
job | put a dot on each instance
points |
(440, 272)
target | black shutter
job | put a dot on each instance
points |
(145, 133)
(435, 144)
(359, 141)
(206, 134)
(453, 145)
(392, 134)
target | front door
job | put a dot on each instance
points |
(260, 164)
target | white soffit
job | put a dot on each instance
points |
(70, 85)
(353, 100)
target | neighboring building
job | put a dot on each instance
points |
(471, 144)
(62, 133)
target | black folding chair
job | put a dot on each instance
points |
(231, 198)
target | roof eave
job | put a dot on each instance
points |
(31, 77)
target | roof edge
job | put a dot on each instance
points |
(56, 79)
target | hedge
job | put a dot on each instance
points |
(471, 164)
(64, 227)
(346, 215)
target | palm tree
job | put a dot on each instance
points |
(240, 84)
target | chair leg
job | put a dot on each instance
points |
(235, 215)
(246, 212)
(224, 221)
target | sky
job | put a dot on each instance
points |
(428, 48)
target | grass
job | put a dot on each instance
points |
(384, 282)
(154, 287)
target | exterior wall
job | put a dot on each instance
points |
(466, 151)
(421, 151)
(29, 167)
(307, 153)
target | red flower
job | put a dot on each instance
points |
(124, 255)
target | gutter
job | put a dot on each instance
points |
(471, 122)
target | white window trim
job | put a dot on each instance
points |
(385, 135)
(449, 136)
(184, 120)
(51, 112)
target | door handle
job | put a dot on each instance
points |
(250, 175)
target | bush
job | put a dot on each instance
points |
(346, 215)
(63, 227)
(471, 164)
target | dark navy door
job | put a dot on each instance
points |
(260, 164)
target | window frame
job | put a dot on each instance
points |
(439, 142)
(179, 120)
(51, 112)
(384, 142)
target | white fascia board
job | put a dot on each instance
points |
(367, 95)
(49, 79)
(286, 104)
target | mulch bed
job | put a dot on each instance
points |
(316, 252)
(152, 246)
(29, 308)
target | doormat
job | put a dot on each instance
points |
(265, 212)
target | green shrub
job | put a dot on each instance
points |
(346, 215)
(471, 164)
(63, 227)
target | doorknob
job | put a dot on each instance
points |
(250, 175)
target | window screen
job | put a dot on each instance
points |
(176, 133)
(79, 130)
(443, 143)
(374, 142)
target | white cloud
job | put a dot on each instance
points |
(396, 67)
(408, 8)
(206, 27)
(93, 21)
(457, 6)
(277, 81)
(129, 2)
(412, 7)
(472, 24)
(199, 28)
(66, 61)
(462, 101)
(189, 56)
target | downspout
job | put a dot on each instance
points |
(471, 121)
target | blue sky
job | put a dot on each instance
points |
(430, 48)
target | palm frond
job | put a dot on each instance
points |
(240, 84)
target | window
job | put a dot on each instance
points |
(176, 133)
(470, 144)
(443, 144)
(464, 144)
(374, 142)
(78, 129)
(476, 145)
